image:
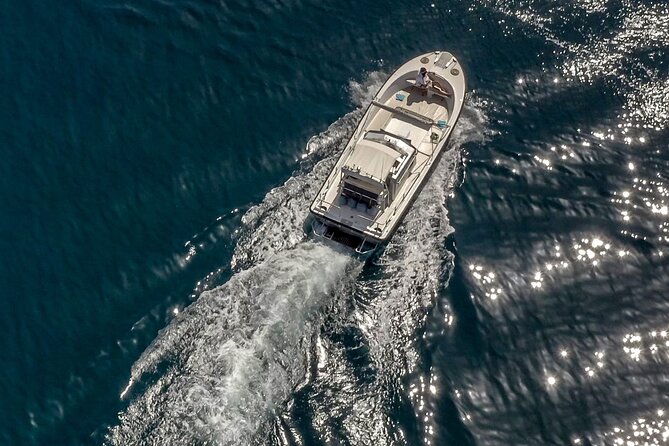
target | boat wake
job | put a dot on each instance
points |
(219, 370)
(230, 358)
(222, 371)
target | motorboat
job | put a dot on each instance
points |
(390, 154)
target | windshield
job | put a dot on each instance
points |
(402, 145)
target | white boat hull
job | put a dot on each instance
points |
(391, 153)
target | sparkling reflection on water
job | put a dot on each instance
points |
(561, 235)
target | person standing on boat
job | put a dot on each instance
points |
(422, 80)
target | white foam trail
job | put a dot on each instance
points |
(235, 355)
(363, 92)
(226, 362)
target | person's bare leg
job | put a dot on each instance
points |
(440, 90)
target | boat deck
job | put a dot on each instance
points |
(359, 216)
(400, 115)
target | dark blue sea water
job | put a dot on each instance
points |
(156, 284)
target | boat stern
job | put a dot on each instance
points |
(334, 233)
